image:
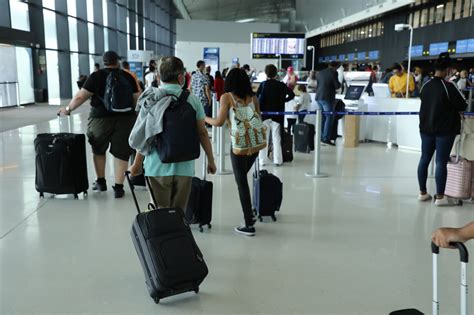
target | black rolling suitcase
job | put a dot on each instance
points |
(287, 148)
(199, 208)
(267, 193)
(61, 166)
(304, 137)
(170, 258)
(464, 258)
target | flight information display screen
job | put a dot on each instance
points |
(270, 45)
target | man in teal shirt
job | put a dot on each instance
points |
(171, 182)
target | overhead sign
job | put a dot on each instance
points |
(211, 58)
(139, 55)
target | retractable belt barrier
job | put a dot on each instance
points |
(316, 173)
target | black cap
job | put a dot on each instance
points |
(110, 58)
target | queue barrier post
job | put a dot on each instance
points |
(221, 170)
(317, 148)
(214, 128)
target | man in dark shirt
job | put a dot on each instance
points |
(272, 95)
(328, 83)
(104, 127)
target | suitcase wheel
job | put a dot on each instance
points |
(41, 195)
(460, 203)
(157, 300)
(274, 218)
(260, 218)
(209, 226)
(201, 229)
(85, 194)
(76, 196)
(196, 290)
(255, 211)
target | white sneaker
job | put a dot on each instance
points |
(424, 197)
(444, 202)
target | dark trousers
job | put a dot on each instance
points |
(291, 124)
(241, 165)
(301, 118)
(430, 143)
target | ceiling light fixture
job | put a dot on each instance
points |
(440, 6)
(246, 20)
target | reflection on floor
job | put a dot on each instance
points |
(354, 243)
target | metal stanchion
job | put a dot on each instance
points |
(221, 163)
(214, 128)
(469, 106)
(317, 148)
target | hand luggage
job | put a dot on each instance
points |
(267, 193)
(459, 182)
(304, 137)
(60, 161)
(199, 208)
(287, 147)
(464, 258)
(170, 258)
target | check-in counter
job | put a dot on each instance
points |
(402, 130)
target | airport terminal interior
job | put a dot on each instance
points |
(341, 225)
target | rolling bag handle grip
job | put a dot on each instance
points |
(132, 189)
(68, 123)
(460, 142)
(464, 258)
(204, 167)
(153, 206)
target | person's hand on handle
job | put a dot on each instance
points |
(135, 169)
(443, 236)
(211, 167)
(64, 111)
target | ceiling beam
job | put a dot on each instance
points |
(179, 4)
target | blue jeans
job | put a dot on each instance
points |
(442, 144)
(327, 120)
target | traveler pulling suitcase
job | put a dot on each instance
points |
(61, 166)
(464, 257)
(304, 137)
(459, 182)
(267, 193)
(170, 257)
(199, 209)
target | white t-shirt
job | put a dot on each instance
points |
(305, 101)
(149, 78)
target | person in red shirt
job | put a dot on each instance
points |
(218, 85)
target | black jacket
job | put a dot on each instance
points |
(441, 103)
(273, 95)
(328, 83)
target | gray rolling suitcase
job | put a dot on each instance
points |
(464, 257)
(170, 258)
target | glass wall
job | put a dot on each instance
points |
(19, 15)
(368, 30)
(426, 13)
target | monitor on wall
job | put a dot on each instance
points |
(271, 45)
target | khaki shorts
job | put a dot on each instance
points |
(113, 131)
(171, 191)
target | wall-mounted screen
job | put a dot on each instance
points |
(461, 46)
(438, 48)
(321, 59)
(374, 55)
(361, 55)
(342, 57)
(470, 45)
(417, 51)
(351, 57)
(270, 45)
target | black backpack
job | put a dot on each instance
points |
(179, 140)
(118, 97)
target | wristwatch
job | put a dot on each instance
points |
(68, 110)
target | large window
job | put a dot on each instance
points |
(434, 12)
(52, 72)
(74, 72)
(73, 44)
(19, 15)
(50, 32)
(90, 28)
(365, 31)
(71, 8)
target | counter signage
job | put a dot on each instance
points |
(417, 51)
(438, 48)
(361, 55)
(342, 57)
(321, 59)
(470, 45)
(350, 57)
(374, 55)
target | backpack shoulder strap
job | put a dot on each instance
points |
(183, 97)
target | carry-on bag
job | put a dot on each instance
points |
(170, 258)
(267, 193)
(459, 182)
(464, 258)
(304, 137)
(61, 166)
(199, 208)
(287, 148)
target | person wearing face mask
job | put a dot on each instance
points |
(170, 182)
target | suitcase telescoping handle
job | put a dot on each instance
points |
(151, 206)
(459, 144)
(68, 123)
(464, 258)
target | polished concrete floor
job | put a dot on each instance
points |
(356, 242)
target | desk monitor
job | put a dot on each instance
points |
(381, 90)
(354, 92)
